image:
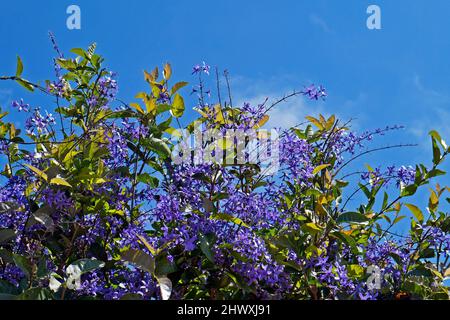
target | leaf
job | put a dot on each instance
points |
(167, 71)
(36, 294)
(164, 266)
(433, 201)
(415, 211)
(23, 263)
(165, 286)
(40, 173)
(25, 84)
(311, 227)
(150, 105)
(437, 136)
(229, 218)
(6, 235)
(19, 68)
(262, 122)
(147, 245)
(60, 182)
(177, 86)
(315, 121)
(147, 179)
(78, 51)
(436, 152)
(177, 106)
(137, 107)
(408, 190)
(87, 265)
(398, 219)
(355, 270)
(158, 146)
(42, 215)
(352, 217)
(174, 132)
(320, 168)
(206, 247)
(140, 259)
(5, 207)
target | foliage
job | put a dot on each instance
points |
(93, 207)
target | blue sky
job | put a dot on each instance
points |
(396, 75)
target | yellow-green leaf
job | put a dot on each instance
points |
(177, 106)
(320, 168)
(40, 173)
(60, 182)
(19, 68)
(137, 107)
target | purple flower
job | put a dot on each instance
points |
(21, 106)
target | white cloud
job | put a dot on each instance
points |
(319, 22)
(5, 96)
(285, 114)
(436, 105)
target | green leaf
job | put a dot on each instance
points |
(437, 136)
(140, 259)
(164, 266)
(146, 178)
(23, 263)
(6, 235)
(158, 145)
(79, 52)
(206, 247)
(36, 294)
(88, 265)
(415, 211)
(19, 68)
(366, 191)
(436, 152)
(352, 217)
(25, 84)
(408, 190)
(177, 106)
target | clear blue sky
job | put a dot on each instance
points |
(397, 75)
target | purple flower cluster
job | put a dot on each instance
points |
(201, 68)
(39, 124)
(21, 105)
(315, 93)
(402, 176)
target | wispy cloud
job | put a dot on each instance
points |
(436, 105)
(285, 114)
(320, 22)
(5, 96)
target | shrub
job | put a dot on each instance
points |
(93, 205)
